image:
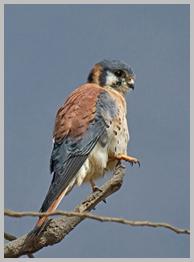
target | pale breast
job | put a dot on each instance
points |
(118, 132)
(112, 144)
(120, 138)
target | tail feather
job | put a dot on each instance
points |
(37, 230)
(42, 222)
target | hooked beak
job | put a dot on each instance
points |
(131, 83)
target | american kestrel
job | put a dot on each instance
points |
(91, 133)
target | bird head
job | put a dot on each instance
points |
(114, 74)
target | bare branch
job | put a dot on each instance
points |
(58, 228)
(10, 237)
(177, 230)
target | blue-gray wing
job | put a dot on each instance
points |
(80, 123)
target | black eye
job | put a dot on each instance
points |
(119, 73)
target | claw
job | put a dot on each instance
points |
(95, 189)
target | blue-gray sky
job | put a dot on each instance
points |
(49, 50)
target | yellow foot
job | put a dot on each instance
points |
(130, 159)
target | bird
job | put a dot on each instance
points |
(90, 133)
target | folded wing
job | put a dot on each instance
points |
(80, 123)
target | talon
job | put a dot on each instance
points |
(104, 200)
(95, 189)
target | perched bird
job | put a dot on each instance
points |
(91, 132)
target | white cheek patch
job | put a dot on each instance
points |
(131, 82)
(110, 78)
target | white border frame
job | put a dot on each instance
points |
(2, 118)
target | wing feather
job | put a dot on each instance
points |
(70, 150)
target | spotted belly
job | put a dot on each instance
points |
(102, 157)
